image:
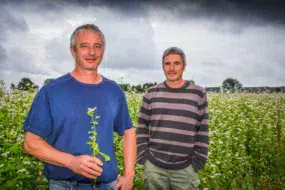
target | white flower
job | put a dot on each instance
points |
(5, 154)
(22, 170)
(91, 111)
(27, 162)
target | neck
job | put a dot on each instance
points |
(175, 84)
(86, 76)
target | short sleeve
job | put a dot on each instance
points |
(123, 120)
(39, 121)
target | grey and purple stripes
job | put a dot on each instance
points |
(172, 130)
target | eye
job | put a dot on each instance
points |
(83, 45)
(177, 63)
(166, 63)
(98, 46)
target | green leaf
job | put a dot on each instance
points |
(93, 133)
(14, 148)
(94, 122)
(105, 156)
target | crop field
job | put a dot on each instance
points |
(247, 142)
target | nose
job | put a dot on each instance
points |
(171, 66)
(92, 51)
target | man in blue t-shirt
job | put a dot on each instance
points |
(57, 124)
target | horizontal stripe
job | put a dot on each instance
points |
(142, 130)
(203, 105)
(171, 148)
(195, 87)
(168, 153)
(142, 140)
(143, 135)
(170, 95)
(145, 105)
(174, 112)
(198, 92)
(175, 101)
(205, 121)
(171, 142)
(174, 124)
(146, 100)
(144, 116)
(202, 139)
(142, 144)
(145, 111)
(174, 118)
(163, 105)
(201, 144)
(203, 133)
(173, 130)
(170, 158)
(173, 137)
(201, 150)
(141, 153)
(202, 155)
(167, 162)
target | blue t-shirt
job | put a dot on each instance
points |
(59, 114)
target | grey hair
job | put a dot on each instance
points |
(91, 27)
(174, 50)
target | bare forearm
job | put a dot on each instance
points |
(129, 151)
(37, 147)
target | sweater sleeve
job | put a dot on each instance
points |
(202, 135)
(142, 131)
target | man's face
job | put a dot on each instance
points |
(88, 51)
(173, 67)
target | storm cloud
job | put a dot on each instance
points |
(240, 39)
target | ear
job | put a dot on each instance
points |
(72, 51)
(184, 67)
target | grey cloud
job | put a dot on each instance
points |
(21, 61)
(58, 56)
(50, 7)
(3, 54)
(11, 22)
(130, 45)
(58, 49)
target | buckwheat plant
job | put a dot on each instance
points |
(93, 135)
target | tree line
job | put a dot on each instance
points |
(26, 84)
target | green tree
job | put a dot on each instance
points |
(231, 85)
(125, 87)
(26, 84)
(13, 86)
(48, 80)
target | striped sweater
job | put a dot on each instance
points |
(172, 130)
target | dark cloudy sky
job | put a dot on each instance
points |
(240, 39)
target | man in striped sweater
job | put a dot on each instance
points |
(172, 131)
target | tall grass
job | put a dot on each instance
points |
(247, 142)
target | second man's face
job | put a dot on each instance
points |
(173, 67)
(89, 50)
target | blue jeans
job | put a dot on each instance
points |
(73, 185)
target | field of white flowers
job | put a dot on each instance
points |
(247, 142)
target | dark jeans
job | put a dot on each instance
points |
(73, 185)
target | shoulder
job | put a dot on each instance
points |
(112, 85)
(156, 88)
(195, 89)
(58, 82)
